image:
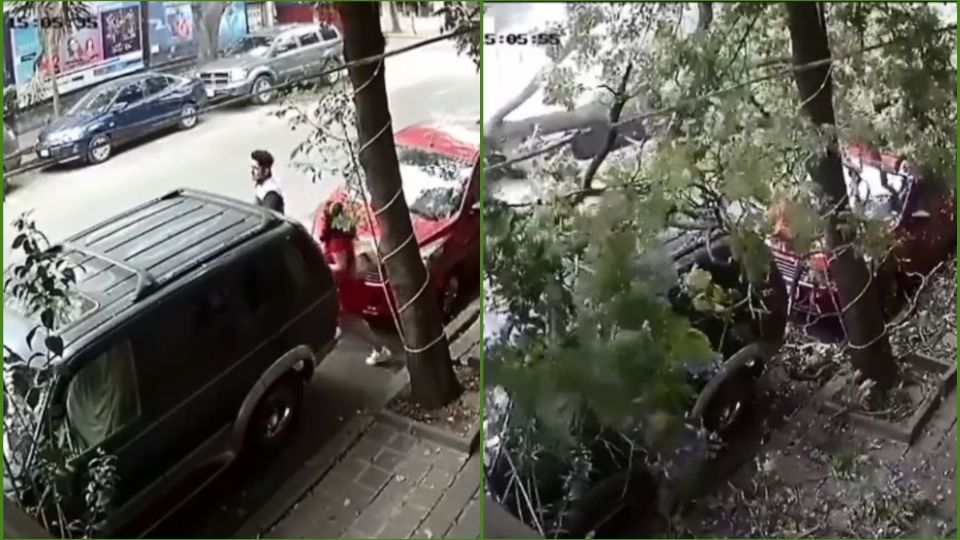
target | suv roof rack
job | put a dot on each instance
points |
(148, 281)
(145, 280)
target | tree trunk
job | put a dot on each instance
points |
(210, 15)
(705, 16)
(394, 18)
(863, 318)
(433, 383)
(51, 50)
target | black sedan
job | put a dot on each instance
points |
(121, 111)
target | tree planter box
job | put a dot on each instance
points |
(466, 443)
(905, 430)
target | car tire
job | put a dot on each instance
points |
(276, 415)
(189, 116)
(99, 149)
(262, 90)
(731, 393)
(335, 77)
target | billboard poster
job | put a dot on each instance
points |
(233, 24)
(173, 33)
(8, 75)
(111, 44)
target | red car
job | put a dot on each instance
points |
(441, 183)
(921, 213)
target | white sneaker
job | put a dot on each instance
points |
(378, 357)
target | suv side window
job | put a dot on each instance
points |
(328, 32)
(104, 396)
(285, 44)
(309, 39)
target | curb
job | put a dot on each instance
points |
(465, 444)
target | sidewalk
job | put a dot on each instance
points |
(411, 28)
(383, 481)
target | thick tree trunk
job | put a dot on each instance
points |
(51, 48)
(210, 15)
(704, 16)
(394, 18)
(863, 318)
(433, 383)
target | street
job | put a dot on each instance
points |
(431, 84)
(426, 85)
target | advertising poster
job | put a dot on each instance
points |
(233, 24)
(110, 45)
(121, 31)
(173, 33)
(8, 73)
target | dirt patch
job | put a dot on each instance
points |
(801, 471)
(459, 416)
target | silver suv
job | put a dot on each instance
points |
(262, 60)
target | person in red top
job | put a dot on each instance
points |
(339, 250)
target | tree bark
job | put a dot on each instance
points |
(210, 15)
(433, 383)
(858, 292)
(620, 100)
(394, 18)
(705, 16)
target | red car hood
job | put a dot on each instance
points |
(367, 226)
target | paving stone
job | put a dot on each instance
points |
(402, 442)
(381, 433)
(437, 479)
(468, 524)
(424, 496)
(365, 450)
(341, 491)
(349, 467)
(455, 498)
(435, 526)
(374, 478)
(413, 468)
(449, 460)
(387, 502)
(330, 520)
(388, 459)
(401, 526)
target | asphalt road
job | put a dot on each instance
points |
(431, 84)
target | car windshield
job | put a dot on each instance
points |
(432, 183)
(97, 101)
(250, 46)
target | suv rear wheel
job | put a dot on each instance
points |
(276, 415)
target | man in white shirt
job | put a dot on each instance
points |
(266, 188)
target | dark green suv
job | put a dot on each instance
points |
(198, 322)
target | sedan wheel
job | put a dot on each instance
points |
(188, 116)
(100, 149)
(262, 91)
